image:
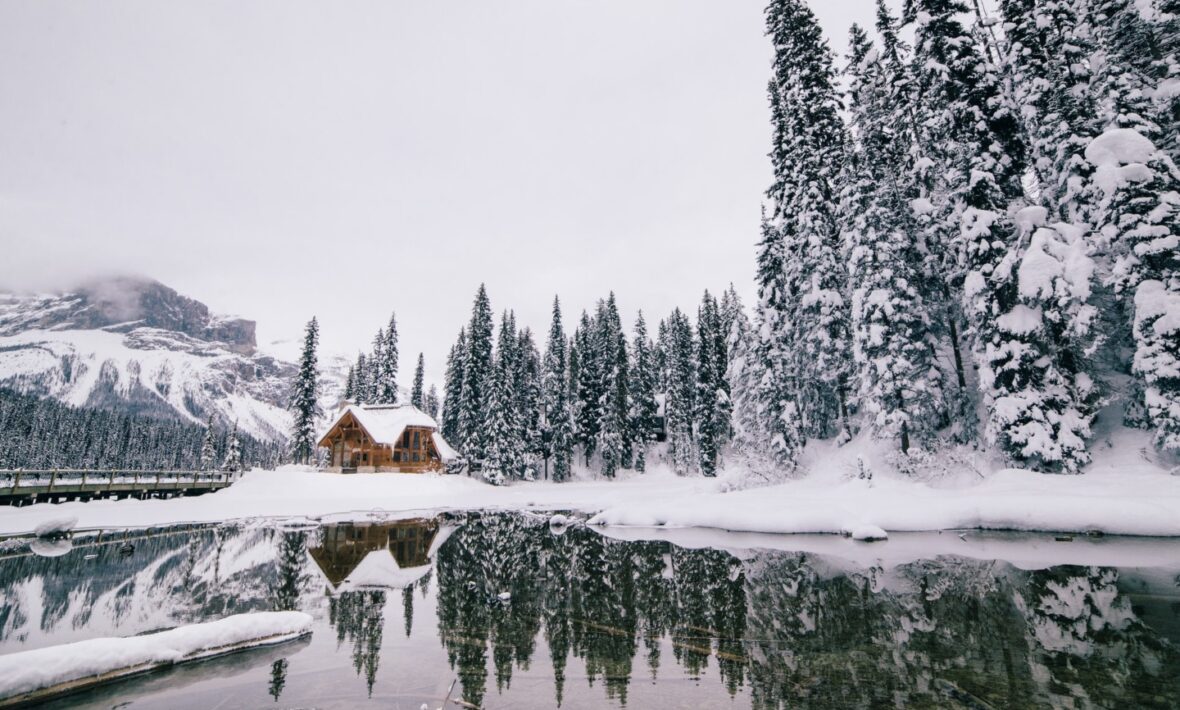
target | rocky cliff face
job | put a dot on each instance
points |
(124, 305)
(136, 345)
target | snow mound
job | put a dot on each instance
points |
(866, 533)
(30, 671)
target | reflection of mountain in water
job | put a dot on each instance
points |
(168, 577)
(775, 629)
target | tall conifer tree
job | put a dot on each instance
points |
(304, 398)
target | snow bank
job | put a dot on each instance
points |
(1121, 493)
(30, 671)
(1013, 499)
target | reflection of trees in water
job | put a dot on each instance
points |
(791, 628)
(292, 551)
(947, 632)
(278, 678)
(1096, 650)
(359, 618)
(596, 599)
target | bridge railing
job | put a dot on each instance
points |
(13, 481)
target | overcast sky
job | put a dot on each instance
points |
(344, 159)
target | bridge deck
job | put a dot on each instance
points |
(18, 487)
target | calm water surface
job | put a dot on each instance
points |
(503, 611)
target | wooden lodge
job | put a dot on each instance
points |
(393, 555)
(385, 438)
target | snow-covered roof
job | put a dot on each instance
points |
(379, 570)
(444, 449)
(384, 423)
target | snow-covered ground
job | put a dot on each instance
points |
(1121, 493)
(29, 671)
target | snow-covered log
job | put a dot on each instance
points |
(31, 676)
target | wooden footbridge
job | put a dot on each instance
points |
(58, 485)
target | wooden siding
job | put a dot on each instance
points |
(351, 448)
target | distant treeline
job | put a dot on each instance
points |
(38, 433)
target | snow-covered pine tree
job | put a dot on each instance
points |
(453, 389)
(807, 153)
(233, 452)
(895, 377)
(1048, 47)
(1139, 218)
(644, 409)
(711, 415)
(1167, 94)
(588, 386)
(361, 388)
(973, 144)
(612, 442)
(555, 398)
(387, 355)
(528, 401)
(350, 384)
(431, 402)
(503, 452)
(305, 398)
(679, 406)
(417, 396)
(477, 371)
(209, 447)
(377, 371)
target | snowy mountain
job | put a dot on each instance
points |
(133, 344)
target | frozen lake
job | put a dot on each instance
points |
(507, 611)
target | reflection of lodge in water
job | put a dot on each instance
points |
(390, 555)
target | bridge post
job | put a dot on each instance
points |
(52, 478)
(15, 483)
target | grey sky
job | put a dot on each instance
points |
(288, 158)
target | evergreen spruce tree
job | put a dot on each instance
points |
(611, 347)
(555, 398)
(233, 452)
(587, 387)
(644, 409)
(528, 401)
(304, 398)
(679, 404)
(377, 371)
(503, 458)
(1139, 218)
(208, 447)
(361, 388)
(807, 153)
(896, 380)
(350, 384)
(477, 372)
(453, 389)
(386, 353)
(712, 391)
(1034, 389)
(431, 402)
(417, 396)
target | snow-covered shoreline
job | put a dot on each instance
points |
(103, 659)
(1119, 500)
